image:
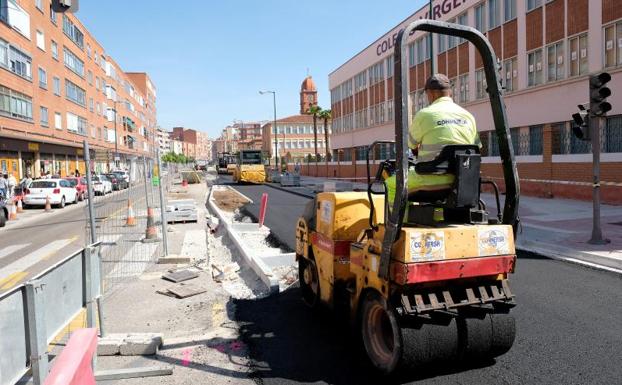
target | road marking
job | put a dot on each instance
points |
(38, 255)
(11, 249)
(12, 280)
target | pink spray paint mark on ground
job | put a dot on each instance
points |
(185, 361)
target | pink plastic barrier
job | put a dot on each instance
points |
(73, 366)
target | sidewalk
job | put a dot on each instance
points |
(555, 228)
(200, 338)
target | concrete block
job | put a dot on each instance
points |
(141, 344)
(110, 345)
(174, 259)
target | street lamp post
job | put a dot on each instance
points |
(276, 140)
(116, 137)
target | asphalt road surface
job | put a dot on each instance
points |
(569, 321)
(38, 240)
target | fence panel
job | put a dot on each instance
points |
(13, 343)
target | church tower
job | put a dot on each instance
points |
(308, 95)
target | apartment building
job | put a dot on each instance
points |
(204, 146)
(59, 88)
(188, 139)
(547, 49)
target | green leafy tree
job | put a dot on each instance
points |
(315, 111)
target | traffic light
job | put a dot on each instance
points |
(61, 6)
(599, 93)
(581, 126)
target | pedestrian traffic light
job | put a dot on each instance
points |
(581, 126)
(61, 6)
(599, 93)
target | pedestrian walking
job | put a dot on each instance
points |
(77, 173)
(12, 182)
(4, 185)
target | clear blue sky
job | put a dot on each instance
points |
(209, 58)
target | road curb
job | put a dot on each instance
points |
(277, 187)
(565, 254)
(263, 271)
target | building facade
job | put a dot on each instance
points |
(295, 139)
(59, 88)
(204, 146)
(188, 139)
(163, 140)
(547, 49)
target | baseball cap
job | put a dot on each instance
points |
(437, 82)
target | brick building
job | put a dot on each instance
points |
(547, 49)
(188, 139)
(204, 146)
(295, 136)
(59, 87)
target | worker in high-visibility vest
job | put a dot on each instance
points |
(441, 123)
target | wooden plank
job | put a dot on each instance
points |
(183, 291)
(180, 276)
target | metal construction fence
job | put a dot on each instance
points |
(33, 314)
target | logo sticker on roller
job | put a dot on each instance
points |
(427, 246)
(495, 241)
(327, 211)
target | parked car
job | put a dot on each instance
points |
(122, 175)
(80, 186)
(59, 191)
(118, 183)
(4, 212)
(101, 184)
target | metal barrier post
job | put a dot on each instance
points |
(91, 195)
(146, 187)
(37, 334)
(162, 204)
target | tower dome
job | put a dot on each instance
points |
(308, 84)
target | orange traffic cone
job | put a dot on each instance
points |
(12, 212)
(48, 205)
(20, 208)
(151, 234)
(184, 183)
(131, 220)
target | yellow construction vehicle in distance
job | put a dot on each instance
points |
(431, 285)
(249, 167)
(226, 163)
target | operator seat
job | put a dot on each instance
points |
(460, 202)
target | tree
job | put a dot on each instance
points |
(315, 110)
(326, 115)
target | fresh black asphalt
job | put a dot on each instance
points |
(569, 322)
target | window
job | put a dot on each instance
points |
(613, 45)
(451, 40)
(58, 121)
(52, 15)
(76, 123)
(463, 20)
(578, 55)
(494, 14)
(533, 4)
(89, 77)
(73, 32)
(39, 5)
(40, 40)
(390, 66)
(360, 81)
(91, 105)
(88, 51)
(54, 49)
(480, 83)
(411, 55)
(15, 60)
(534, 68)
(612, 137)
(73, 62)
(509, 10)
(555, 62)
(442, 43)
(510, 69)
(535, 140)
(43, 112)
(43, 78)
(96, 82)
(480, 17)
(56, 85)
(464, 88)
(14, 104)
(75, 93)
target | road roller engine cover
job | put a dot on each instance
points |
(426, 278)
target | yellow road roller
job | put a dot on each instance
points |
(426, 279)
(249, 167)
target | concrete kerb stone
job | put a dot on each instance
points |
(174, 259)
(561, 253)
(263, 271)
(129, 344)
